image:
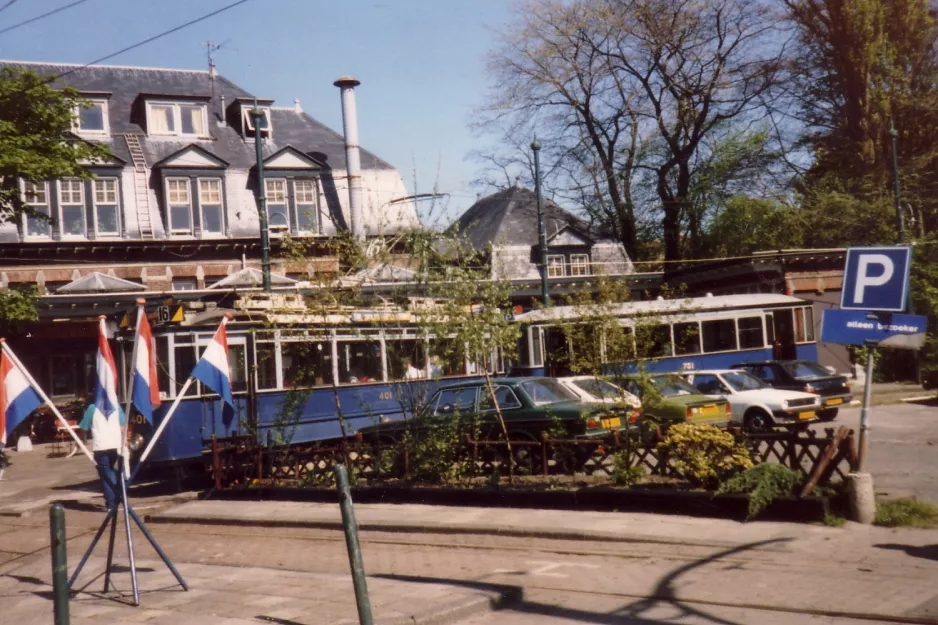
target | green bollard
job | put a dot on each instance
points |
(59, 563)
(354, 549)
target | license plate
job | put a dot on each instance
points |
(612, 423)
(807, 415)
(834, 402)
(709, 410)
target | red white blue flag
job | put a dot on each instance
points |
(145, 390)
(212, 369)
(18, 398)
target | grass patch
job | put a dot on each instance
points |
(833, 520)
(909, 512)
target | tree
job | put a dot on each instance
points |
(631, 96)
(36, 140)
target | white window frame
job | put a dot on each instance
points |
(286, 203)
(220, 204)
(177, 119)
(313, 206)
(94, 206)
(80, 204)
(48, 206)
(578, 261)
(170, 204)
(249, 120)
(76, 126)
(552, 263)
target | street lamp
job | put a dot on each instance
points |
(895, 174)
(258, 116)
(541, 230)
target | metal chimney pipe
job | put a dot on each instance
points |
(347, 85)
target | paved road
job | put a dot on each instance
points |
(903, 448)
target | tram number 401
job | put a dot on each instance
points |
(385, 395)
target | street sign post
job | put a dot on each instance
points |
(876, 283)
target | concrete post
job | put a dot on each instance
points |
(861, 498)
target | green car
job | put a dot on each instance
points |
(679, 403)
(529, 407)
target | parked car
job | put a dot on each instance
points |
(679, 403)
(529, 407)
(590, 388)
(805, 376)
(756, 406)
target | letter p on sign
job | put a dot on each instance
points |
(876, 278)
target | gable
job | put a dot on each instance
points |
(192, 156)
(290, 158)
(568, 236)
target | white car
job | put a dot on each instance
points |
(591, 389)
(755, 405)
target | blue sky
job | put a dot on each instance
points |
(421, 63)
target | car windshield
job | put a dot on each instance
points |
(805, 369)
(673, 386)
(742, 381)
(546, 391)
(600, 389)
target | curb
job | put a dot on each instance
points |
(502, 598)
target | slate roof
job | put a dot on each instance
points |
(509, 217)
(126, 84)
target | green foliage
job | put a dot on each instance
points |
(834, 520)
(906, 513)
(746, 225)
(623, 473)
(17, 308)
(35, 137)
(704, 455)
(435, 448)
(763, 483)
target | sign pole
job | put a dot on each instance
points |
(865, 411)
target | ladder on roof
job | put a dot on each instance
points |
(141, 185)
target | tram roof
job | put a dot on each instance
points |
(669, 306)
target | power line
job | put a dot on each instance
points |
(149, 39)
(38, 17)
(6, 6)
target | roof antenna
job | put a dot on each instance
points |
(211, 47)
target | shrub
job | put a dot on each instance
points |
(704, 455)
(623, 473)
(436, 452)
(763, 483)
(908, 512)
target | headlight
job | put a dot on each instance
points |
(784, 404)
(136, 442)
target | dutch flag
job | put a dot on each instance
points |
(105, 393)
(212, 369)
(17, 396)
(145, 391)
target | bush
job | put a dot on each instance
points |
(763, 483)
(704, 455)
(623, 473)
(436, 452)
(906, 513)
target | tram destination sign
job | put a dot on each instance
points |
(854, 327)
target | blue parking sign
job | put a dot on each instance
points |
(876, 278)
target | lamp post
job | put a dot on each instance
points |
(900, 226)
(258, 116)
(541, 230)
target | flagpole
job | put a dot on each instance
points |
(163, 424)
(45, 398)
(128, 387)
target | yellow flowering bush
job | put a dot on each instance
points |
(704, 455)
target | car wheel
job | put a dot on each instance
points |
(757, 421)
(827, 415)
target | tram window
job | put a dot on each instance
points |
(719, 336)
(406, 359)
(809, 323)
(185, 363)
(686, 338)
(750, 332)
(359, 361)
(446, 359)
(236, 368)
(653, 341)
(538, 353)
(162, 363)
(306, 364)
(266, 366)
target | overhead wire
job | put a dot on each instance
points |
(7, 5)
(38, 17)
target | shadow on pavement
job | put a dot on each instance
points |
(664, 594)
(929, 552)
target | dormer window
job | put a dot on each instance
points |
(176, 119)
(92, 118)
(249, 120)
